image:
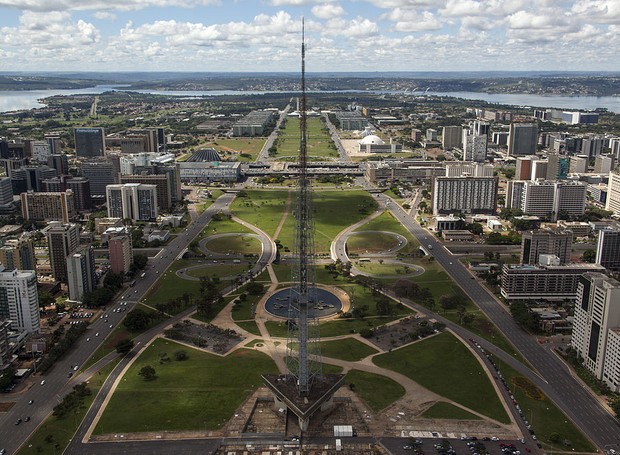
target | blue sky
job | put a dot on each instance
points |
(264, 35)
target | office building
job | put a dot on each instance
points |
(596, 327)
(592, 146)
(81, 272)
(59, 162)
(451, 137)
(5, 346)
(6, 191)
(522, 139)
(135, 201)
(100, 174)
(539, 170)
(514, 193)
(161, 182)
(549, 283)
(19, 300)
(89, 142)
(613, 193)
(474, 147)
(608, 249)
(62, 240)
(578, 164)
(54, 144)
(550, 200)
(31, 177)
(557, 167)
(603, 164)
(18, 254)
(461, 168)
(48, 206)
(481, 128)
(523, 170)
(465, 194)
(121, 253)
(253, 124)
(80, 186)
(546, 242)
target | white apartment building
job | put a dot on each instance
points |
(595, 334)
(613, 193)
(548, 199)
(136, 201)
(465, 194)
(19, 299)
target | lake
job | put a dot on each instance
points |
(28, 99)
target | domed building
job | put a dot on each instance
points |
(374, 144)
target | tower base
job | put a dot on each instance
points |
(284, 388)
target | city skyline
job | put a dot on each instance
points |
(362, 35)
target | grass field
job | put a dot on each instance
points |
(370, 242)
(387, 222)
(544, 416)
(238, 244)
(170, 286)
(54, 434)
(238, 149)
(443, 410)
(386, 269)
(333, 212)
(212, 388)
(319, 144)
(445, 366)
(227, 269)
(378, 392)
(348, 349)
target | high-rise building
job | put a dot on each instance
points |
(81, 272)
(522, 139)
(608, 249)
(475, 148)
(461, 168)
(59, 162)
(465, 194)
(592, 146)
(546, 241)
(539, 170)
(89, 142)
(481, 128)
(552, 199)
(557, 167)
(451, 137)
(6, 191)
(613, 193)
(100, 174)
(54, 144)
(162, 183)
(48, 206)
(121, 253)
(514, 193)
(19, 299)
(80, 186)
(62, 240)
(33, 176)
(603, 164)
(5, 347)
(18, 254)
(596, 327)
(136, 201)
(523, 169)
(578, 164)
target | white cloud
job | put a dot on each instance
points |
(605, 11)
(327, 11)
(412, 21)
(119, 5)
(104, 16)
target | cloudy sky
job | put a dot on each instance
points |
(354, 35)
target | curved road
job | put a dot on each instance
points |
(557, 382)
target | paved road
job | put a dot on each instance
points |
(57, 384)
(557, 382)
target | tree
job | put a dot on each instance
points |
(383, 307)
(255, 288)
(137, 320)
(113, 280)
(45, 299)
(589, 256)
(140, 261)
(148, 373)
(181, 355)
(124, 346)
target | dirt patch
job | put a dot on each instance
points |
(528, 387)
(6, 407)
(402, 332)
(206, 336)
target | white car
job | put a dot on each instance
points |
(43, 382)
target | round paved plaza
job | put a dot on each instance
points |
(326, 302)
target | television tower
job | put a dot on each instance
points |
(303, 389)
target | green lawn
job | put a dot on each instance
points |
(387, 222)
(378, 392)
(223, 226)
(54, 434)
(242, 310)
(220, 270)
(239, 244)
(319, 145)
(207, 390)
(386, 269)
(443, 410)
(169, 286)
(445, 366)
(238, 148)
(370, 242)
(348, 349)
(333, 211)
(544, 416)
(249, 326)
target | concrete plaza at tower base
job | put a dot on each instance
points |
(327, 303)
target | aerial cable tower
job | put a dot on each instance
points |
(303, 389)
